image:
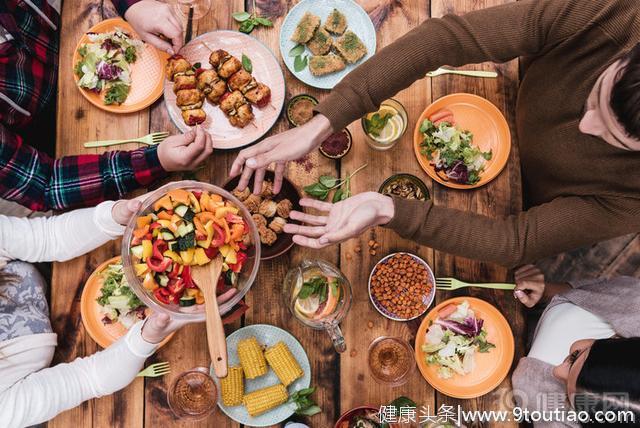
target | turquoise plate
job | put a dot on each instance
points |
(357, 21)
(267, 335)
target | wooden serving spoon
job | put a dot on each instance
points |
(206, 278)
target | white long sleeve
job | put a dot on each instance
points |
(57, 238)
(42, 395)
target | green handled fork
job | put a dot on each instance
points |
(450, 284)
(155, 370)
(150, 140)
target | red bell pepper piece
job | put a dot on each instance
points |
(218, 236)
(211, 252)
(233, 218)
(241, 258)
(236, 312)
(176, 286)
(159, 247)
(159, 265)
(197, 193)
(136, 241)
(187, 278)
(162, 294)
(148, 236)
(155, 225)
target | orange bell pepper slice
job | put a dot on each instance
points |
(164, 215)
(140, 233)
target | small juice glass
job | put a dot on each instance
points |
(395, 127)
(193, 394)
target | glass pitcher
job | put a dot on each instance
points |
(319, 296)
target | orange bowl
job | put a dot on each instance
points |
(103, 335)
(147, 73)
(490, 132)
(490, 368)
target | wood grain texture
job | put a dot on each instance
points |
(364, 324)
(499, 198)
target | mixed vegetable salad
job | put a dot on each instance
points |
(453, 340)
(450, 150)
(104, 64)
(187, 228)
(117, 301)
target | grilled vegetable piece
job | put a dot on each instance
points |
(351, 47)
(336, 22)
(305, 28)
(283, 363)
(211, 85)
(321, 42)
(189, 99)
(325, 64)
(184, 81)
(233, 387)
(252, 358)
(177, 66)
(265, 399)
(194, 116)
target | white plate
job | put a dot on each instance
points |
(357, 21)
(267, 335)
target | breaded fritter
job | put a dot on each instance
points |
(325, 64)
(321, 42)
(305, 28)
(336, 22)
(350, 47)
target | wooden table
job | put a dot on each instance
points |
(343, 380)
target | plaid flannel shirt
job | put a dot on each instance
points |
(28, 79)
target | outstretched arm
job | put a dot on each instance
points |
(35, 180)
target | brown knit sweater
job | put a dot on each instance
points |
(582, 189)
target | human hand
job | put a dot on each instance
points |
(154, 20)
(343, 220)
(281, 148)
(158, 326)
(530, 285)
(184, 152)
(124, 209)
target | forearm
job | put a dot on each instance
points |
(495, 34)
(561, 225)
(42, 395)
(552, 289)
(57, 238)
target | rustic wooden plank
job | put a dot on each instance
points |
(500, 197)
(268, 286)
(188, 348)
(364, 323)
(79, 121)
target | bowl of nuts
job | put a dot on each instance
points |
(402, 286)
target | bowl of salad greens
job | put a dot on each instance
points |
(115, 70)
(462, 141)
(464, 347)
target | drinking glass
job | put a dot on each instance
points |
(326, 317)
(200, 8)
(400, 119)
(193, 395)
(391, 360)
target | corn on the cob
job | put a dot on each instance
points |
(283, 363)
(252, 358)
(265, 399)
(233, 386)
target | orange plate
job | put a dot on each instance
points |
(490, 132)
(491, 368)
(147, 73)
(103, 335)
(266, 69)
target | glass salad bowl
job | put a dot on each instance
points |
(243, 281)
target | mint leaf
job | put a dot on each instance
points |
(241, 16)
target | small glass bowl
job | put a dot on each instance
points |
(191, 313)
(399, 352)
(374, 144)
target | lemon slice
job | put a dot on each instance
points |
(391, 131)
(308, 307)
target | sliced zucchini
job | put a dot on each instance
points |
(187, 241)
(167, 235)
(173, 246)
(187, 300)
(181, 210)
(137, 251)
(189, 215)
(185, 228)
(230, 277)
(163, 280)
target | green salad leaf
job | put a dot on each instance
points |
(116, 94)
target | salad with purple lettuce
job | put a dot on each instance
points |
(450, 150)
(453, 339)
(104, 64)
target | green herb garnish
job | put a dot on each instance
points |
(327, 183)
(297, 50)
(249, 21)
(376, 124)
(246, 63)
(305, 406)
(130, 54)
(300, 63)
